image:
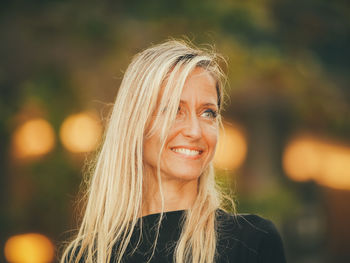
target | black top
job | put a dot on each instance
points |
(243, 238)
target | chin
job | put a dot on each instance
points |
(185, 174)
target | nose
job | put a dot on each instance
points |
(192, 128)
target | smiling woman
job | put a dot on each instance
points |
(189, 147)
(152, 196)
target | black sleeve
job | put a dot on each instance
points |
(271, 249)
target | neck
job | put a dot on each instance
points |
(177, 194)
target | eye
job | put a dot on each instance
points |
(209, 113)
(179, 110)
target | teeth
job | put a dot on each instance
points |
(186, 151)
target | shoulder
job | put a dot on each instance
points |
(244, 224)
(254, 234)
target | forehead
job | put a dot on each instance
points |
(199, 89)
(200, 85)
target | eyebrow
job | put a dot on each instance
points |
(205, 104)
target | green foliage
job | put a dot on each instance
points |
(291, 57)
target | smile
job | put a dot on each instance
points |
(185, 151)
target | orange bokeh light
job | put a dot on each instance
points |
(231, 149)
(29, 248)
(33, 138)
(309, 158)
(81, 132)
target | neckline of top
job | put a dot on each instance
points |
(175, 212)
(180, 212)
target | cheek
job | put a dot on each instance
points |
(149, 151)
(212, 139)
(213, 144)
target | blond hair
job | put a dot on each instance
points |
(115, 194)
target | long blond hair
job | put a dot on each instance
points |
(115, 192)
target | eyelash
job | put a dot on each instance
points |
(213, 113)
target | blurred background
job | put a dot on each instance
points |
(286, 150)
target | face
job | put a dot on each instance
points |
(191, 142)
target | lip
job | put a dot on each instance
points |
(193, 148)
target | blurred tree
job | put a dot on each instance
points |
(288, 70)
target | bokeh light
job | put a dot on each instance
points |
(33, 138)
(300, 159)
(231, 149)
(287, 70)
(29, 248)
(310, 158)
(81, 132)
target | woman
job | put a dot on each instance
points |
(152, 195)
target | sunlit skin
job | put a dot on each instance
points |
(195, 129)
